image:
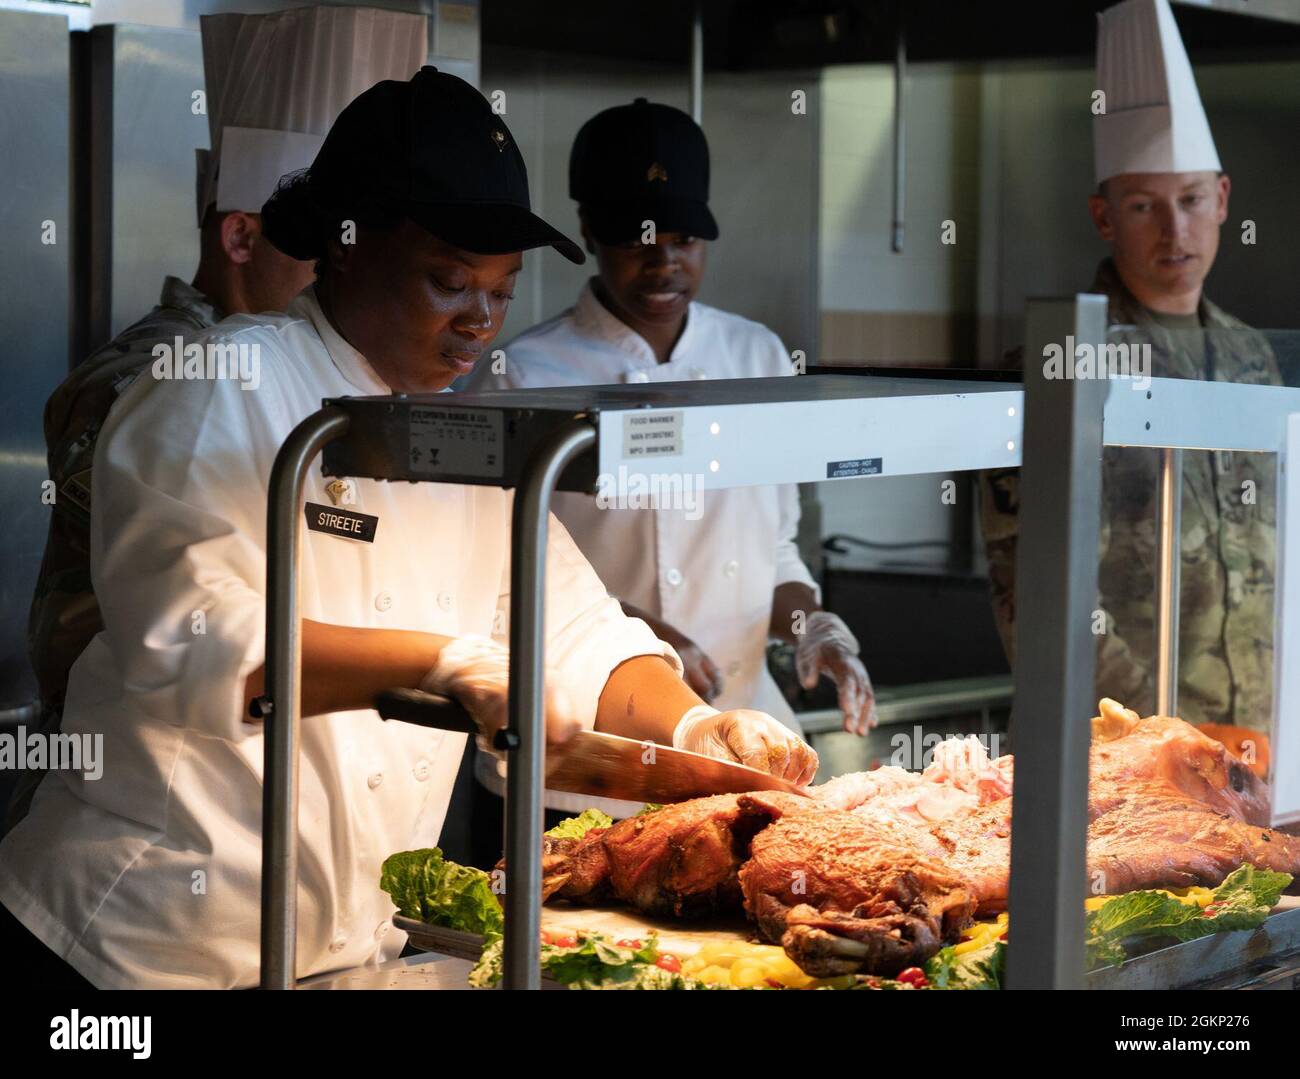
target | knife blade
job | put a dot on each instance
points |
(603, 765)
(611, 766)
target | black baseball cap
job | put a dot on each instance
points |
(433, 150)
(639, 162)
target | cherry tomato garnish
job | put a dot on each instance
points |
(630, 942)
(669, 963)
(1210, 911)
(546, 937)
(913, 976)
(565, 942)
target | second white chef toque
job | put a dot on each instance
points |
(276, 82)
(1153, 119)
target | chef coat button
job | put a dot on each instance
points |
(445, 600)
(373, 781)
(731, 568)
(421, 770)
(674, 577)
(383, 601)
(338, 944)
(638, 376)
(733, 668)
(381, 930)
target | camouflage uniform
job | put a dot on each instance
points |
(1225, 632)
(64, 615)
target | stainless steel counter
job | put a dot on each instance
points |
(1224, 960)
(927, 700)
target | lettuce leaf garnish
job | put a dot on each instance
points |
(980, 968)
(584, 822)
(427, 887)
(1242, 901)
(595, 962)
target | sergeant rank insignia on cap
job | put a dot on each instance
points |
(656, 172)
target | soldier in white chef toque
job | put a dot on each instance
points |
(1160, 202)
(719, 577)
(148, 875)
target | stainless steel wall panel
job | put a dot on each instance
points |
(33, 308)
(143, 132)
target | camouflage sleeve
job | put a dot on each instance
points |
(1121, 674)
(64, 614)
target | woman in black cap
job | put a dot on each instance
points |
(416, 210)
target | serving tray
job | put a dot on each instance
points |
(1246, 955)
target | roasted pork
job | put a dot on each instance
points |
(883, 867)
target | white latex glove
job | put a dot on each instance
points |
(748, 736)
(475, 671)
(827, 646)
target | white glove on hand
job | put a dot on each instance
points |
(827, 646)
(748, 736)
(476, 672)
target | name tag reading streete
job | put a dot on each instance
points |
(340, 522)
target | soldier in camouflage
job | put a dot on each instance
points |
(1163, 230)
(1161, 199)
(239, 272)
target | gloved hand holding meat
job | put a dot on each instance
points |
(750, 737)
(883, 868)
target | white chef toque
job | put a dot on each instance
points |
(276, 82)
(1154, 121)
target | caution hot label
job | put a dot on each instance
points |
(859, 466)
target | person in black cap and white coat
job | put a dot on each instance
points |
(416, 208)
(718, 577)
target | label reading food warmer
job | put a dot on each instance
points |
(861, 466)
(456, 441)
(652, 434)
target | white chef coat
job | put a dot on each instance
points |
(712, 578)
(150, 876)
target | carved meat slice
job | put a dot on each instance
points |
(959, 779)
